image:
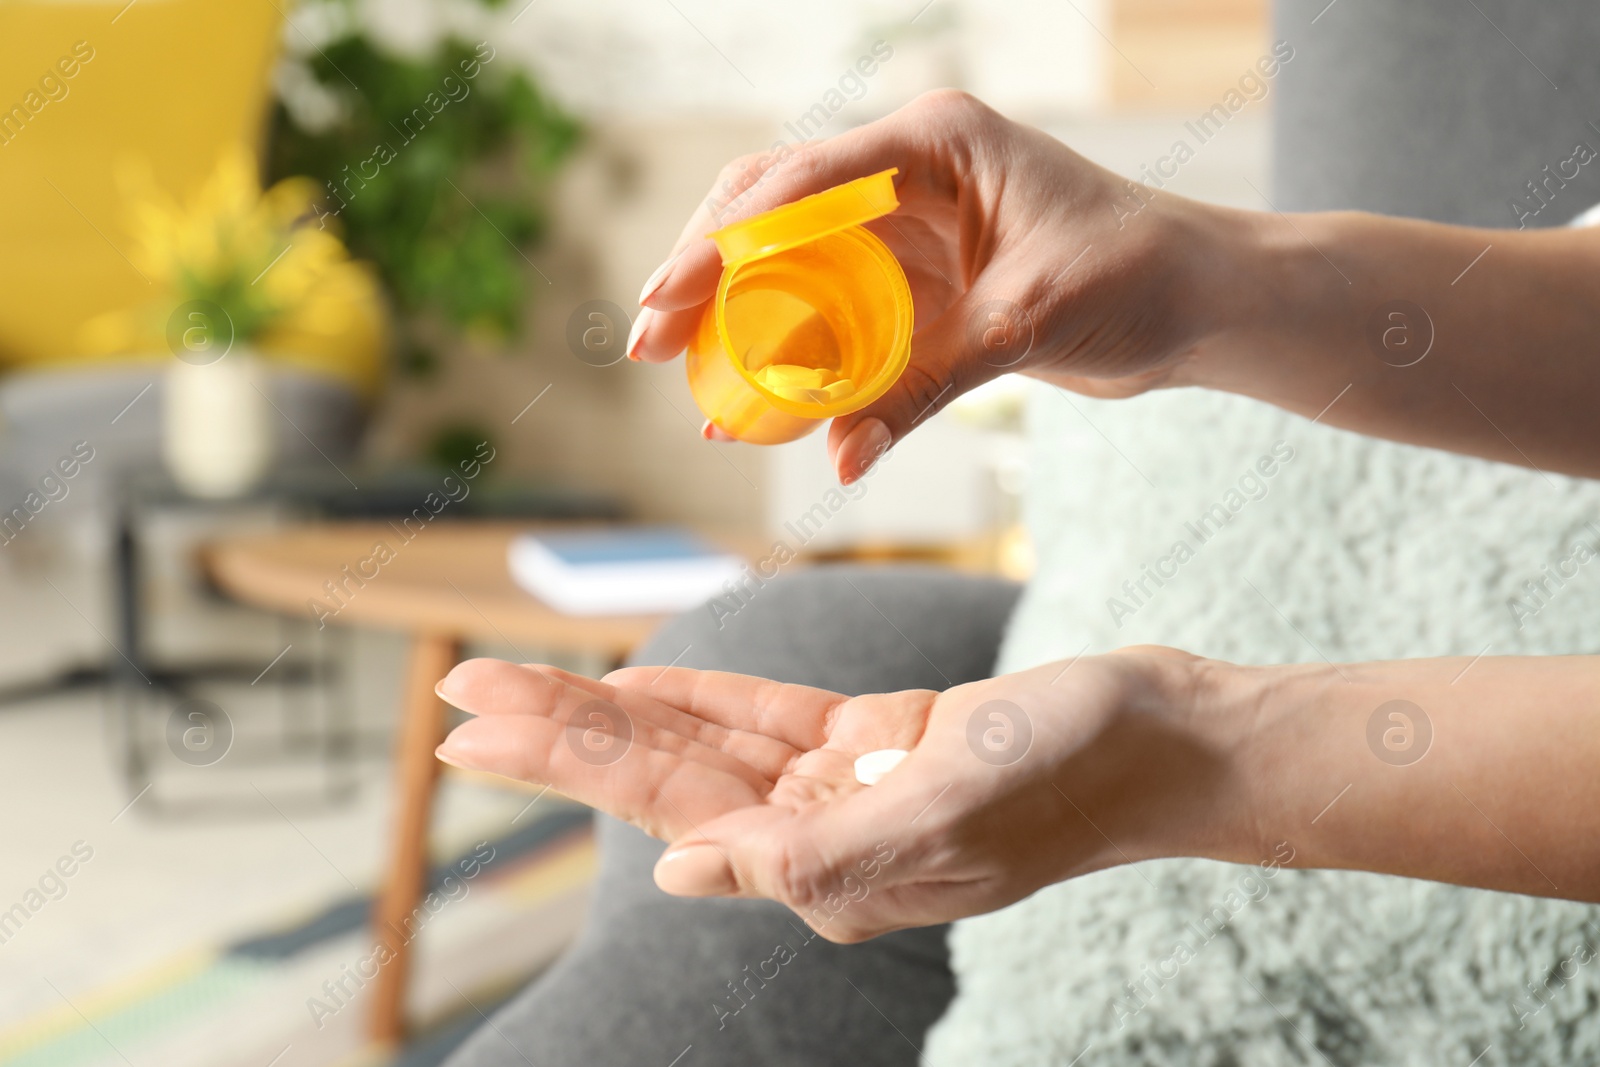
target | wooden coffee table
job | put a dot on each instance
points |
(448, 585)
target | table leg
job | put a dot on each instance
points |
(416, 776)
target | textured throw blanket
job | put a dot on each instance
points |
(1298, 542)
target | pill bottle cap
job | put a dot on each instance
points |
(805, 220)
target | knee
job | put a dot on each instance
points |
(844, 627)
(751, 613)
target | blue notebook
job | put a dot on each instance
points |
(626, 570)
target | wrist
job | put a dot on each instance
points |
(1225, 257)
(1226, 713)
(1269, 309)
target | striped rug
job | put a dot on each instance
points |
(291, 998)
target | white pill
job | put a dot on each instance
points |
(871, 768)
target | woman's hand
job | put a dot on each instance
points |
(1023, 780)
(1022, 256)
(1011, 784)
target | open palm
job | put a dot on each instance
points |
(1011, 783)
(672, 749)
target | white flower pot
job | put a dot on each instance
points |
(217, 432)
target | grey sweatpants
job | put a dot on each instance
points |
(652, 978)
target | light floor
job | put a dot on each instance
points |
(157, 889)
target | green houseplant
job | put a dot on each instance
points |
(435, 169)
(444, 207)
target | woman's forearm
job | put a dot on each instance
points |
(1482, 773)
(1478, 341)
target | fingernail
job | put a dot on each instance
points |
(657, 278)
(872, 440)
(695, 871)
(449, 757)
(712, 432)
(636, 334)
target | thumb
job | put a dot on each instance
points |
(817, 864)
(977, 339)
(756, 183)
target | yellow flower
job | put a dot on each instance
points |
(287, 283)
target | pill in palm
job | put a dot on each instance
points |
(871, 768)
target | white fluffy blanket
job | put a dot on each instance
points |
(1350, 549)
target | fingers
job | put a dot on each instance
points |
(843, 867)
(796, 715)
(656, 779)
(675, 294)
(493, 688)
(946, 361)
(756, 183)
(689, 276)
(793, 856)
(679, 288)
(653, 765)
(659, 336)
